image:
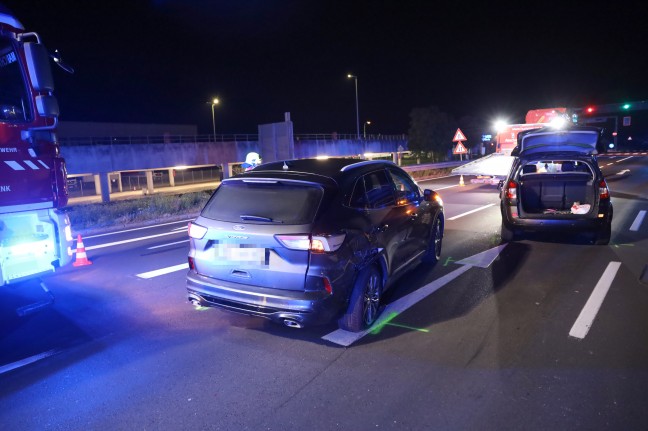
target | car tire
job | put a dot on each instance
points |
(507, 233)
(603, 236)
(364, 305)
(433, 252)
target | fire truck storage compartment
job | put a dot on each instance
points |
(540, 193)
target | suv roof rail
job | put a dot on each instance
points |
(363, 163)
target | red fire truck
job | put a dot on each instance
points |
(492, 168)
(35, 237)
(506, 138)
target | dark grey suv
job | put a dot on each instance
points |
(556, 185)
(304, 242)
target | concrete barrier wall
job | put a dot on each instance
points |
(102, 158)
(81, 159)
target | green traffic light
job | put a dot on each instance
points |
(626, 106)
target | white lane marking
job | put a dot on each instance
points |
(637, 221)
(167, 244)
(126, 241)
(447, 187)
(482, 259)
(346, 338)
(162, 271)
(625, 171)
(26, 361)
(139, 228)
(588, 313)
(470, 212)
(620, 160)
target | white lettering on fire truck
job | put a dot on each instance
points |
(5, 188)
(8, 150)
(8, 59)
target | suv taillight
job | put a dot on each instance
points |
(315, 243)
(196, 231)
(604, 192)
(511, 190)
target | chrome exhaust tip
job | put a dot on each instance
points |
(292, 323)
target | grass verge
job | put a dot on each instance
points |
(122, 213)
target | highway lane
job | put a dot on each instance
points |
(490, 349)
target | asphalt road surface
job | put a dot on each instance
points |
(550, 332)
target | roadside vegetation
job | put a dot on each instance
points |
(123, 213)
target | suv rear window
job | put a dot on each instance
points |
(275, 202)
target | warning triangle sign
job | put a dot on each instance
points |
(459, 136)
(459, 149)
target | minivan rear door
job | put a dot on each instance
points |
(580, 141)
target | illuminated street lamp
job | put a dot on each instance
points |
(357, 109)
(364, 128)
(214, 102)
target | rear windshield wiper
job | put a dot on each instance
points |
(248, 217)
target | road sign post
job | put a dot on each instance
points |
(460, 148)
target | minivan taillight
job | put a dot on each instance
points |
(511, 190)
(315, 243)
(604, 192)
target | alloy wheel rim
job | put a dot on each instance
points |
(371, 299)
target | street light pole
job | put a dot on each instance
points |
(357, 109)
(214, 102)
(364, 128)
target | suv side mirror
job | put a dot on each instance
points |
(427, 195)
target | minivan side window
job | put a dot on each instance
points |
(406, 190)
(373, 190)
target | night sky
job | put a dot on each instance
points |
(162, 61)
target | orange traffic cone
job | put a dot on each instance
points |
(81, 257)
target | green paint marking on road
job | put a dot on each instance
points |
(448, 260)
(409, 327)
(383, 322)
(623, 245)
(388, 321)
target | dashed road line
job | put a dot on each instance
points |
(163, 271)
(139, 228)
(470, 212)
(588, 313)
(167, 244)
(126, 241)
(638, 220)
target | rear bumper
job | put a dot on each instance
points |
(567, 223)
(305, 308)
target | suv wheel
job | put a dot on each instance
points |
(433, 253)
(602, 237)
(365, 301)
